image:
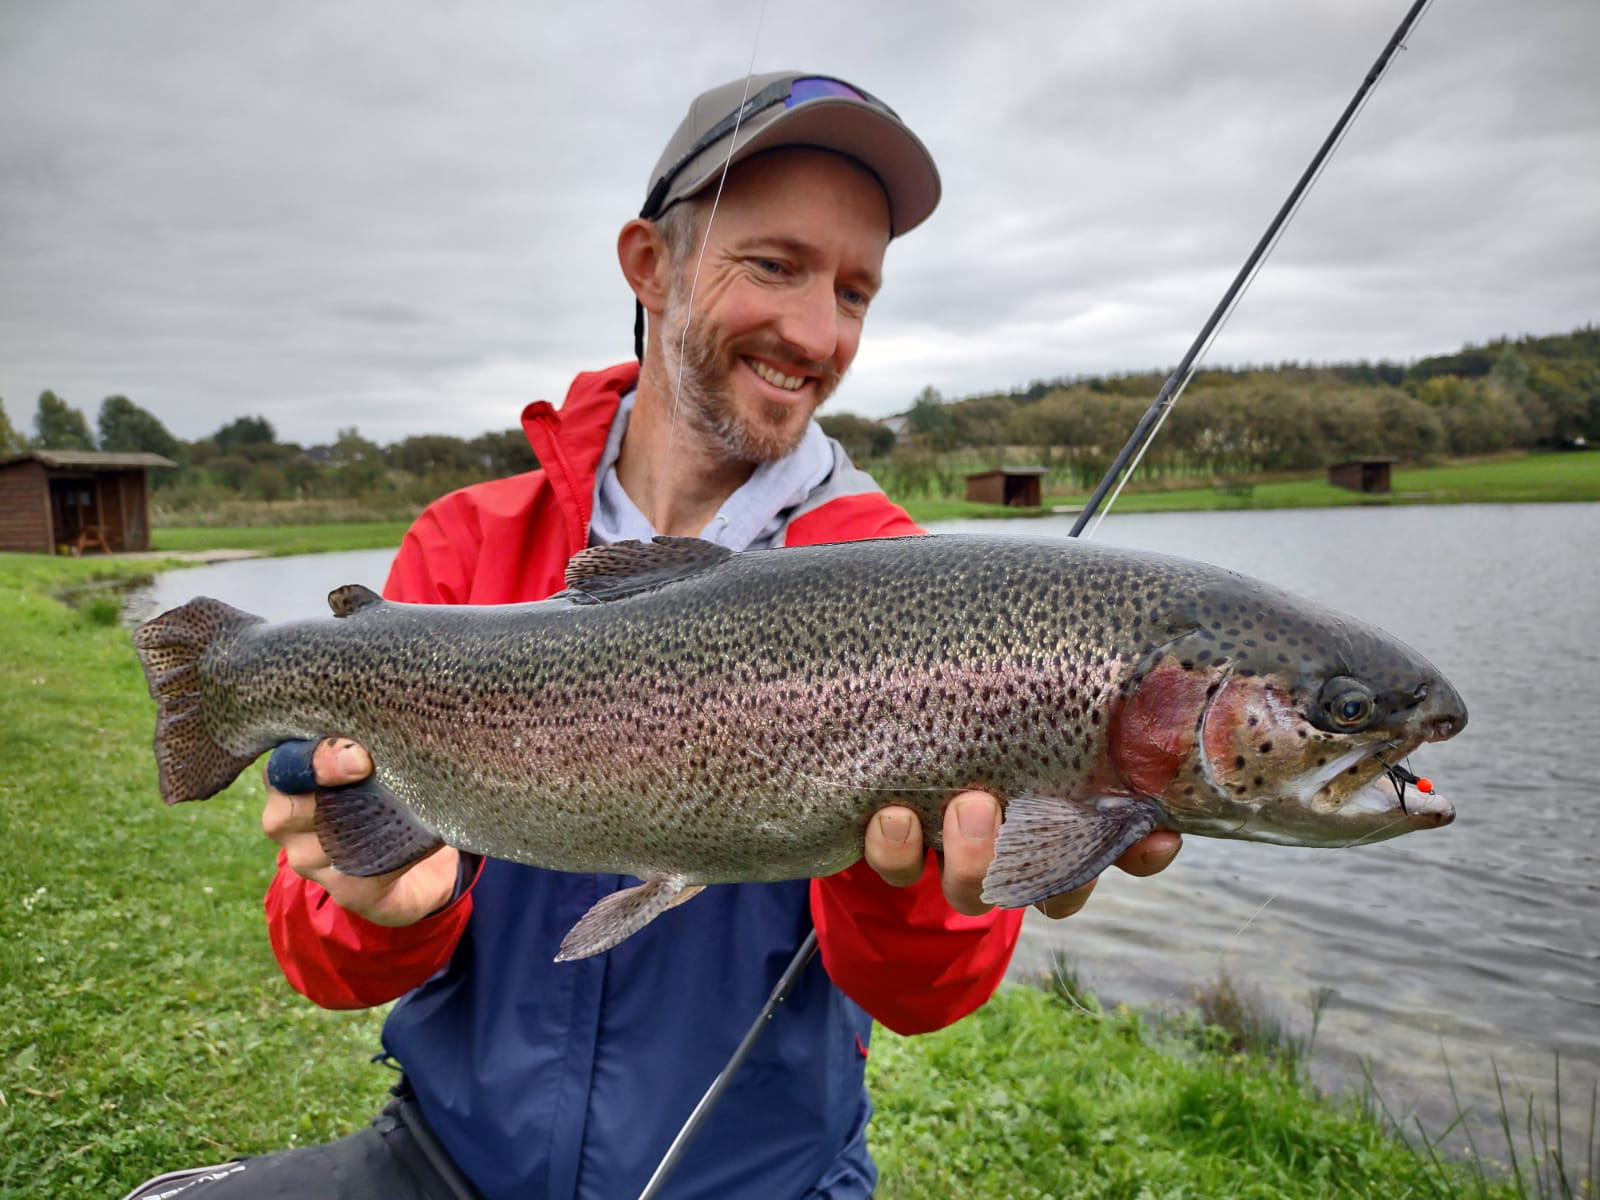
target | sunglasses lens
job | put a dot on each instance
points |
(802, 90)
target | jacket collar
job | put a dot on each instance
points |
(570, 440)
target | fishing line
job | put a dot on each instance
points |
(705, 237)
(808, 948)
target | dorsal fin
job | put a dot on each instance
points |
(352, 598)
(603, 573)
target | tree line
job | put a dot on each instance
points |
(1507, 395)
(244, 459)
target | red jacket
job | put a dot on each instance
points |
(901, 953)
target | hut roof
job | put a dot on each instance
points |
(1355, 462)
(90, 458)
(1023, 471)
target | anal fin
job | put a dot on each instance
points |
(622, 914)
(1048, 845)
(366, 830)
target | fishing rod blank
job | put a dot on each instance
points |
(1170, 390)
(786, 982)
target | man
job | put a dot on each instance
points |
(758, 253)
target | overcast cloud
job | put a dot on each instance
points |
(402, 215)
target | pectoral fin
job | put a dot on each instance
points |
(1048, 846)
(624, 913)
(365, 829)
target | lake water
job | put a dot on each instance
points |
(1460, 949)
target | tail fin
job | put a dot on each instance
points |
(191, 764)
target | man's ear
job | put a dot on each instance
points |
(643, 256)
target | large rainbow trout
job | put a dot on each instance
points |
(690, 716)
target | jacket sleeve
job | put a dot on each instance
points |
(340, 960)
(334, 957)
(903, 954)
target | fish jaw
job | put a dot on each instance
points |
(1271, 773)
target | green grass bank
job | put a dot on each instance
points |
(144, 1025)
(1550, 478)
(281, 539)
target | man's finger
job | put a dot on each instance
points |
(285, 816)
(306, 858)
(1067, 903)
(971, 822)
(339, 761)
(894, 846)
(1151, 853)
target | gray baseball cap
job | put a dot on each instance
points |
(792, 108)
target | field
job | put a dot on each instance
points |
(282, 539)
(1538, 477)
(145, 1025)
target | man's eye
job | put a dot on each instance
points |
(853, 298)
(769, 266)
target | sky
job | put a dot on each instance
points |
(401, 215)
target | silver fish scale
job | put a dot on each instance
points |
(745, 721)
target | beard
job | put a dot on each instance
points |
(699, 374)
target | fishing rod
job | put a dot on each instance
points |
(1137, 442)
(1144, 432)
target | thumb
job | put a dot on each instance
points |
(299, 768)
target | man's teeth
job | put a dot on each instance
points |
(788, 383)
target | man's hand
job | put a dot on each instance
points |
(971, 822)
(401, 897)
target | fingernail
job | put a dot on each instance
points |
(352, 760)
(895, 827)
(975, 818)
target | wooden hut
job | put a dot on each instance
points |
(70, 501)
(1362, 474)
(1015, 487)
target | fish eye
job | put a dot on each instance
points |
(1348, 703)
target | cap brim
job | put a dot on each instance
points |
(881, 144)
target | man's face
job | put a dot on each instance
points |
(793, 257)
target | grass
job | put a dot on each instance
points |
(1573, 476)
(282, 539)
(144, 1025)
(1032, 1098)
(1049, 1093)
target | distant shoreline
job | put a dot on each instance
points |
(1560, 477)
(1572, 476)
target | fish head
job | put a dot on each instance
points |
(1286, 723)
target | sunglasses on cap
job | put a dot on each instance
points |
(788, 92)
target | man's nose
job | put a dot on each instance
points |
(810, 322)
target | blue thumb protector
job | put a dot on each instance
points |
(289, 770)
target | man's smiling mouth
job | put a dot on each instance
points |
(789, 383)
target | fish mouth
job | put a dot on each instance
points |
(1383, 785)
